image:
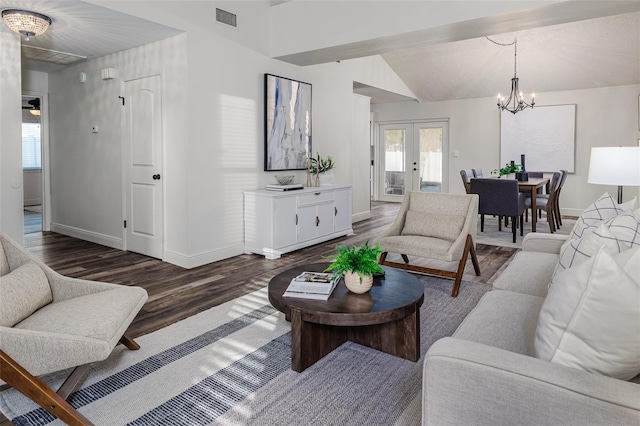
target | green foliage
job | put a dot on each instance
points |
(320, 165)
(362, 260)
(507, 169)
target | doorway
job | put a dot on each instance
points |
(33, 161)
(412, 158)
(143, 167)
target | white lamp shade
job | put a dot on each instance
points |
(615, 165)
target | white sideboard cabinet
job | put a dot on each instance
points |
(279, 222)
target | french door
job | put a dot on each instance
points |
(412, 157)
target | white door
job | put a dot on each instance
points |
(143, 166)
(427, 164)
(412, 158)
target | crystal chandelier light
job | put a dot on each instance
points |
(29, 24)
(516, 101)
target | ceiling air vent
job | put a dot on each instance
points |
(226, 17)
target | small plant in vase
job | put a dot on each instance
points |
(508, 169)
(357, 265)
(320, 167)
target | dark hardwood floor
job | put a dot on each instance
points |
(176, 293)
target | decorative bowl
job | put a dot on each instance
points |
(285, 180)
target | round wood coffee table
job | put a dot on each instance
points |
(387, 318)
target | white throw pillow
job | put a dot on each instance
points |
(603, 208)
(445, 227)
(22, 292)
(618, 234)
(590, 320)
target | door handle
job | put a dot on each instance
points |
(296, 218)
(156, 177)
(335, 211)
(317, 221)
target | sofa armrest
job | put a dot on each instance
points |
(546, 243)
(470, 383)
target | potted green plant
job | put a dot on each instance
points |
(508, 169)
(321, 166)
(357, 265)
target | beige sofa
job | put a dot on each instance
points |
(486, 373)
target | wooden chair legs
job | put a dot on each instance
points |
(36, 390)
(469, 248)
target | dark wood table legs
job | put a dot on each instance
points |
(311, 341)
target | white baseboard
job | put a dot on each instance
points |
(571, 212)
(32, 201)
(189, 262)
(361, 216)
(83, 234)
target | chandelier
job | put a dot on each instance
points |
(516, 101)
(29, 24)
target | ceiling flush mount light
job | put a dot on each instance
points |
(29, 24)
(515, 102)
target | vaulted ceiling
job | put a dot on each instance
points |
(599, 52)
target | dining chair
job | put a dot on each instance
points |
(548, 202)
(500, 197)
(557, 215)
(466, 178)
(477, 173)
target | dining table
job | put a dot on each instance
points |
(531, 185)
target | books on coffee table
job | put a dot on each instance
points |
(312, 285)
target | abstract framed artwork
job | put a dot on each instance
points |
(287, 123)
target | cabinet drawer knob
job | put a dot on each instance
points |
(317, 193)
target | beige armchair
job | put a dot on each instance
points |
(49, 322)
(436, 226)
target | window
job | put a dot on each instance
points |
(31, 146)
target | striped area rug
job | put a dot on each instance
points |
(230, 365)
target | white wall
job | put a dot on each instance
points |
(35, 81)
(214, 130)
(605, 117)
(362, 156)
(86, 167)
(11, 216)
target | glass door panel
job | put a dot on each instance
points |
(429, 159)
(393, 159)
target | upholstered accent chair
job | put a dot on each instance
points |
(477, 173)
(434, 226)
(49, 322)
(500, 197)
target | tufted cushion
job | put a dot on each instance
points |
(590, 319)
(445, 227)
(22, 292)
(618, 234)
(602, 209)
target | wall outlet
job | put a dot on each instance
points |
(95, 129)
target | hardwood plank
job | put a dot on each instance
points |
(176, 293)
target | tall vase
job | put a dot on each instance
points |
(522, 175)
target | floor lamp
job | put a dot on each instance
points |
(615, 165)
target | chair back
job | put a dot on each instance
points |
(466, 176)
(538, 175)
(477, 173)
(498, 196)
